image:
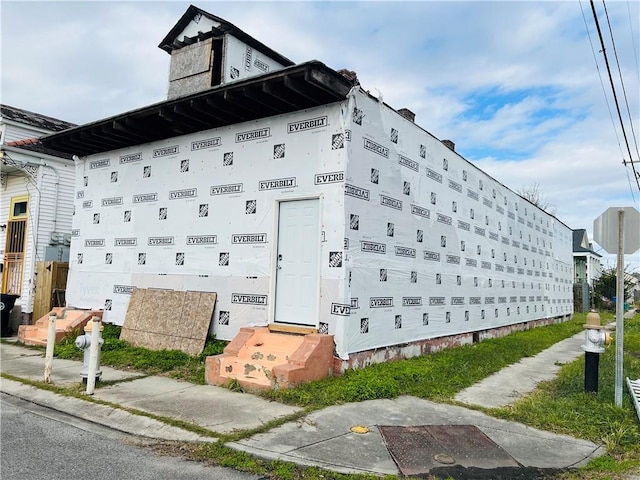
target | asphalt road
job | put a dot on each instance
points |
(39, 443)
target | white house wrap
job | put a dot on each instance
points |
(346, 217)
(412, 241)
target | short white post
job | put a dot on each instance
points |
(94, 349)
(51, 341)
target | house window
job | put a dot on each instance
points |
(19, 209)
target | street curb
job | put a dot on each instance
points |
(114, 418)
(272, 456)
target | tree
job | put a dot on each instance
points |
(535, 195)
(604, 288)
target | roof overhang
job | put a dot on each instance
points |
(14, 160)
(586, 253)
(299, 87)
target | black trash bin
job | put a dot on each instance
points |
(8, 301)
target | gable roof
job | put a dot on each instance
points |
(33, 119)
(579, 235)
(307, 85)
(171, 42)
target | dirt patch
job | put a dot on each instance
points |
(174, 449)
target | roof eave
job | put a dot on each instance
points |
(291, 89)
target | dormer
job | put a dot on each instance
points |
(207, 51)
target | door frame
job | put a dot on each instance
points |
(13, 218)
(274, 254)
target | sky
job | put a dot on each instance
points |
(520, 87)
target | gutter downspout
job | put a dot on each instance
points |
(57, 190)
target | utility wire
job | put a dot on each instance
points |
(624, 90)
(630, 186)
(613, 88)
(604, 91)
(633, 40)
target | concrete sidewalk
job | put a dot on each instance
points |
(518, 380)
(323, 438)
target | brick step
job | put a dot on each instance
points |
(266, 354)
(260, 359)
(67, 321)
(252, 372)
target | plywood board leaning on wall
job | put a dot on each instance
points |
(168, 319)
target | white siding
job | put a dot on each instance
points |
(41, 216)
(17, 186)
(63, 219)
(20, 132)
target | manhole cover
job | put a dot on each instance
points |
(418, 449)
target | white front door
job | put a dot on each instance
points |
(296, 290)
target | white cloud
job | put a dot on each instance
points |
(82, 61)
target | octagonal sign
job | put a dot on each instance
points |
(605, 230)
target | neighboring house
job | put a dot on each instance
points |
(36, 207)
(302, 200)
(634, 288)
(586, 262)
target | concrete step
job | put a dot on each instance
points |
(254, 373)
(260, 359)
(67, 321)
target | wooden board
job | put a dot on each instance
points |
(51, 281)
(168, 319)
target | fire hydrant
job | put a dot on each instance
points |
(595, 339)
(84, 342)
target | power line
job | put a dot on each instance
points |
(624, 90)
(606, 97)
(604, 92)
(615, 96)
(633, 41)
(630, 186)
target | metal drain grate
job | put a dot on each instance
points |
(418, 449)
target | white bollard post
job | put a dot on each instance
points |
(94, 349)
(51, 341)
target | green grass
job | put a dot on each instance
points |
(120, 354)
(276, 469)
(438, 376)
(560, 406)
